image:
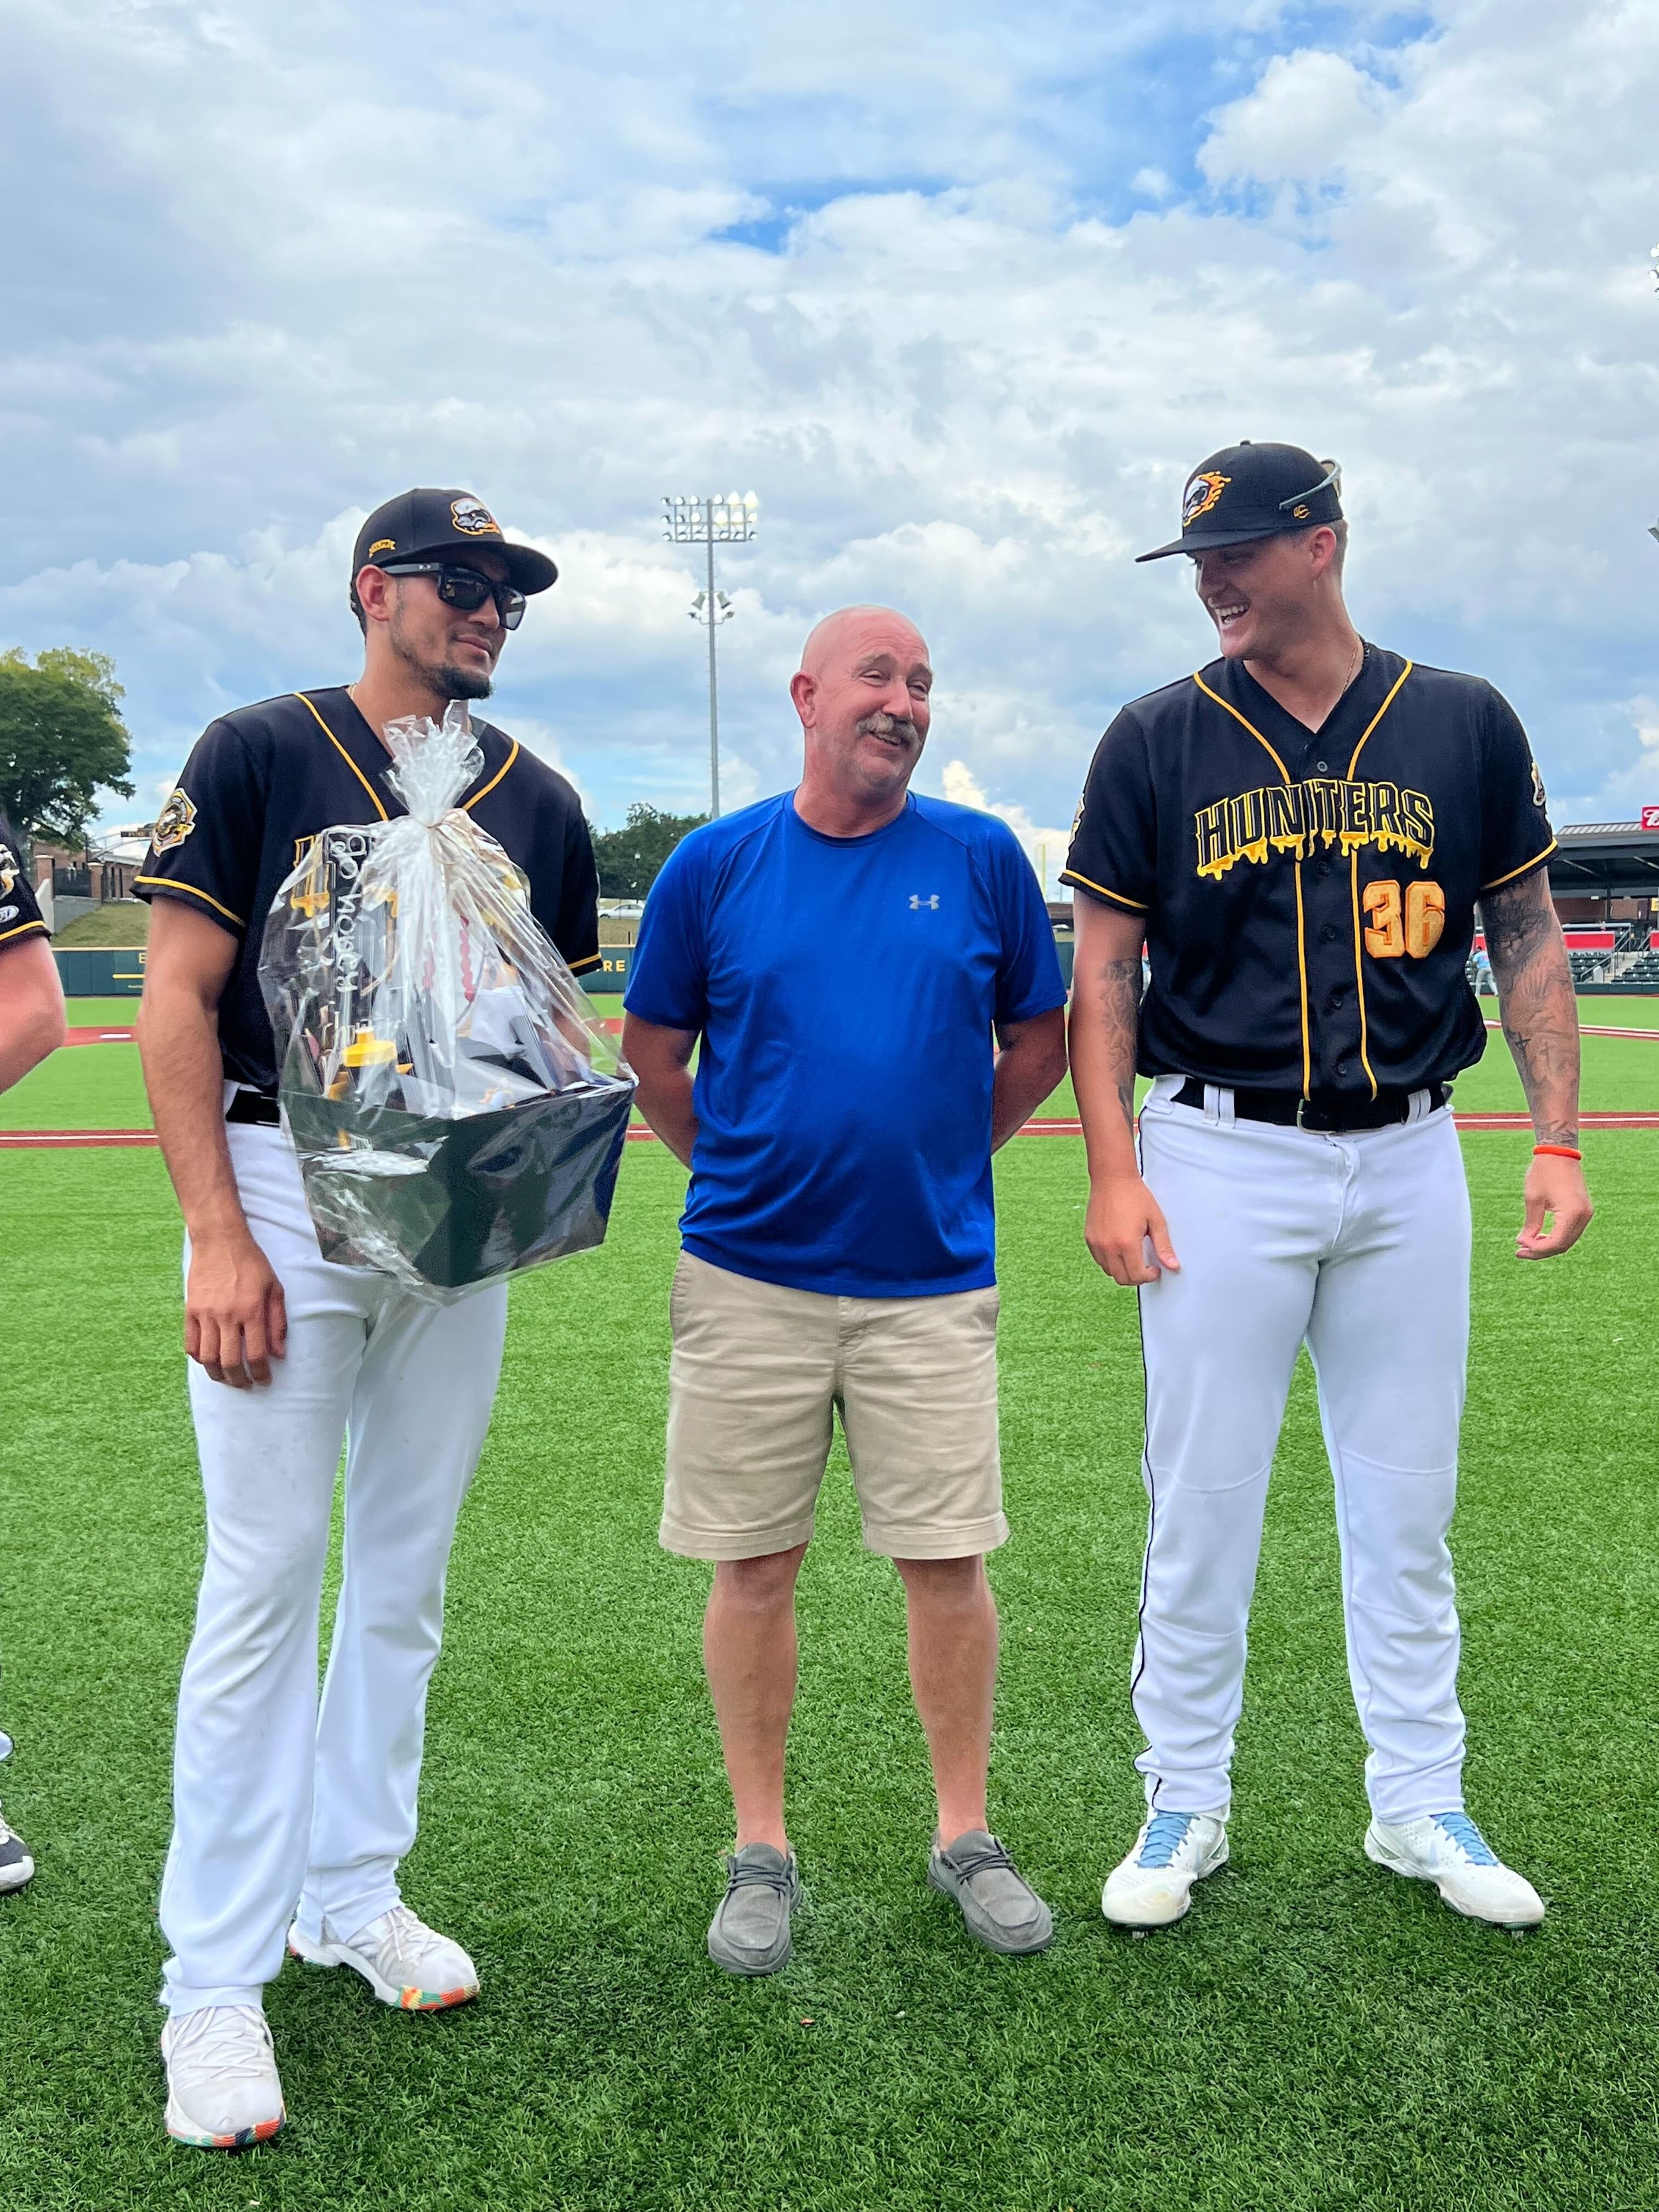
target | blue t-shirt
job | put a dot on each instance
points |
(845, 989)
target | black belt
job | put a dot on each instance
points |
(254, 1109)
(1333, 1111)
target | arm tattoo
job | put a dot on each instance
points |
(1118, 995)
(1536, 1000)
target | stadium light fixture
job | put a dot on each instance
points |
(711, 520)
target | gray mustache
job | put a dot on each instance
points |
(886, 725)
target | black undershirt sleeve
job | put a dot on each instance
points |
(576, 932)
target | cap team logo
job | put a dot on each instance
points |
(1202, 493)
(175, 821)
(382, 545)
(474, 518)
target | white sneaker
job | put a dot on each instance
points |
(17, 1867)
(404, 1962)
(223, 2092)
(1154, 1885)
(1447, 1849)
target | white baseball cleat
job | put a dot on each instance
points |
(404, 1962)
(1447, 1849)
(223, 2093)
(1154, 1885)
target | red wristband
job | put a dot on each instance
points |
(1559, 1151)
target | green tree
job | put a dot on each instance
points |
(629, 858)
(62, 740)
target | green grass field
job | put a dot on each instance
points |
(122, 922)
(99, 1086)
(1317, 2034)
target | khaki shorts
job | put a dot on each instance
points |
(756, 1376)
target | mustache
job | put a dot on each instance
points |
(887, 725)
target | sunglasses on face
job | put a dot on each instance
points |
(465, 590)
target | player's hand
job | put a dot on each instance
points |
(1555, 1194)
(1126, 1232)
(235, 1316)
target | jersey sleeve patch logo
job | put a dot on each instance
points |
(1538, 798)
(9, 866)
(175, 821)
(1202, 493)
(1299, 817)
(474, 518)
(9, 913)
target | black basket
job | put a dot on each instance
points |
(461, 1201)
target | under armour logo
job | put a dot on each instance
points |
(917, 902)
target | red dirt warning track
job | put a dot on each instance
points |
(610, 1025)
(82, 1139)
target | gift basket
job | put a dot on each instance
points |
(459, 1114)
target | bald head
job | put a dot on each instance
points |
(861, 694)
(851, 632)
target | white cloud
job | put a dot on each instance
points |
(966, 346)
(1045, 848)
(1637, 785)
(1310, 113)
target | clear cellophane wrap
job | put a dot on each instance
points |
(458, 1113)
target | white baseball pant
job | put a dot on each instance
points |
(278, 1804)
(1359, 1245)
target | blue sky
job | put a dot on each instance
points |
(962, 292)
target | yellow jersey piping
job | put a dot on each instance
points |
(178, 884)
(1354, 886)
(1301, 925)
(1499, 881)
(347, 758)
(1354, 763)
(22, 930)
(1071, 875)
(494, 779)
(1301, 984)
(589, 960)
(1229, 708)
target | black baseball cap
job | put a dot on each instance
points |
(1248, 491)
(417, 526)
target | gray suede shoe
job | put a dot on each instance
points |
(17, 1867)
(1001, 1909)
(750, 1934)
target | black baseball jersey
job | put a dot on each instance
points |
(263, 782)
(1310, 897)
(20, 910)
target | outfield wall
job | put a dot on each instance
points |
(97, 973)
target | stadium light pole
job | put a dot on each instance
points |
(716, 518)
